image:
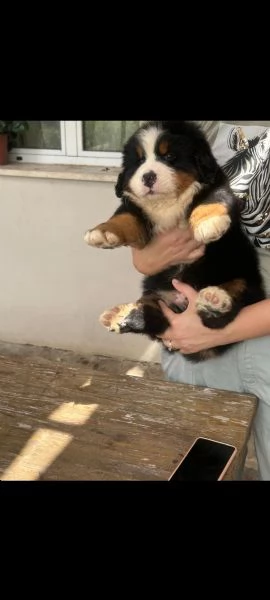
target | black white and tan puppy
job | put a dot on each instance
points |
(170, 178)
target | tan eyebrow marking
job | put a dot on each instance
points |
(139, 151)
(163, 147)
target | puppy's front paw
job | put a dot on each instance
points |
(213, 302)
(123, 318)
(212, 229)
(209, 222)
(103, 237)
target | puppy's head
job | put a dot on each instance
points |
(162, 159)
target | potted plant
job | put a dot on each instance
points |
(8, 133)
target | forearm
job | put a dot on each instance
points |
(165, 250)
(253, 321)
(147, 262)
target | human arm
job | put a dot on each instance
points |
(186, 330)
(167, 249)
(187, 333)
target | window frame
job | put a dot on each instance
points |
(71, 153)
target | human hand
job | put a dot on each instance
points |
(167, 249)
(187, 332)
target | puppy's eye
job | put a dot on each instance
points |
(140, 159)
(169, 157)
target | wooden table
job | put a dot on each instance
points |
(72, 423)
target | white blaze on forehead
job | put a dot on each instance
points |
(148, 139)
(165, 181)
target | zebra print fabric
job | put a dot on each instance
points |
(248, 170)
(256, 209)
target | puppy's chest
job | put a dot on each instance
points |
(171, 212)
(167, 216)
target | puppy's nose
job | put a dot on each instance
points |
(149, 179)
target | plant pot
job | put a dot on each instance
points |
(3, 148)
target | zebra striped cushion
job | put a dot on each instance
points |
(244, 154)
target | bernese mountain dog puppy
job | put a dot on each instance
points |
(170, 178)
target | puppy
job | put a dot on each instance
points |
(170, 178)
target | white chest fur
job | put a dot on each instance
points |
(170, 212)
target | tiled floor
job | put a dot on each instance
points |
(116, 366)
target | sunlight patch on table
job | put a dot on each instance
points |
(135, 372)
(86, 384)
(71, 413)
(36, 456)
(46, 444)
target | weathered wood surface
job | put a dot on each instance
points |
(61, 422)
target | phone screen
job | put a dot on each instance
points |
(205, 461)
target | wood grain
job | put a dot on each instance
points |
(137, 429)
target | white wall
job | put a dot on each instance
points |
(54, 286)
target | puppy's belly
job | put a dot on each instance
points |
(174, 299)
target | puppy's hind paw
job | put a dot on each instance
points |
(215, 307)
(123, 318)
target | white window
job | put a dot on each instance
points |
(73, 142)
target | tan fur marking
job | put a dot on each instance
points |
(206, 211)
(149, 299)
(163, 147)
(129, 228)
(235, 287)
(121, 230)
(183, 180)
(211, 229)
(139, 151)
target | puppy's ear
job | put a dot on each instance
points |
(119, 188)
(206, 164)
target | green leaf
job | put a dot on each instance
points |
(13, 127)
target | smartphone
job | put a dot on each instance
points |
(206, 460)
